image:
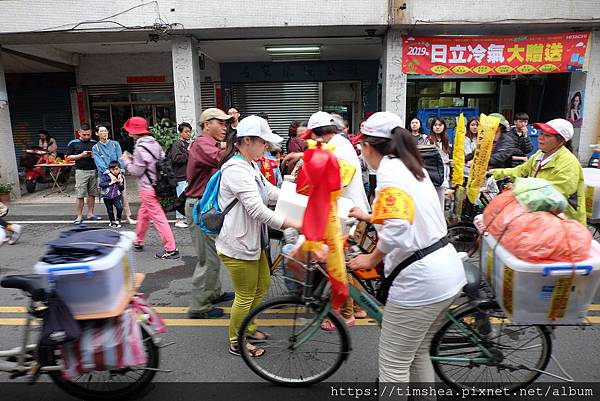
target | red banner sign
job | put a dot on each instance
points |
(494, 55)
(142, 79)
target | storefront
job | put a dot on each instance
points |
(537, 74)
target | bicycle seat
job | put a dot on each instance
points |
(31, 283)
(473, 274)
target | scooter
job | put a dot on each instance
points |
(33, 174)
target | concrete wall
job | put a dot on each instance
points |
(28, 15)
(508, 11)
(591, 114)
(98, 69)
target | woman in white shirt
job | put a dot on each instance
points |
(408, 218)
(438, 136)
(243, 238)
(470, 142)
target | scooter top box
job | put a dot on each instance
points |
(94, 285)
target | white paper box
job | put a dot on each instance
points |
(591, 178)
(292, 205)
(95, 286)
(531, 293)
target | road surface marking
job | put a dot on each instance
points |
(71, 222)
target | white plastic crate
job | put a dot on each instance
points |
(95, 286)
(292, 205)
(532, 293)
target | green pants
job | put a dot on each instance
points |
(251, 281)
(206, 284)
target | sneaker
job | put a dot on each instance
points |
(78, 221)
(129, 220)
(181, 224)
(138, 247)
(117, 224)
(15, 233)
(213, 313)
(168, 254)
(226, 296)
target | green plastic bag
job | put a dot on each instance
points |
(536, 194)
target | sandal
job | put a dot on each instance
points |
(255, 352)
(328, 325)
(361, 314)
(262, 336)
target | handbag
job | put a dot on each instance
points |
(59, 326)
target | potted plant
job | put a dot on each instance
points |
(5, 190)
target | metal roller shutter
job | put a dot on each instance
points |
(208, 95)
(98, 90)
(282, 101)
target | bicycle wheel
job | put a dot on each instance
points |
(294, 355)
(112, 384)
(463, 236)
(519, 352)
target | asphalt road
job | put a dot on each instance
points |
(200, 351)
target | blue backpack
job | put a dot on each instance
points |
(206, 213)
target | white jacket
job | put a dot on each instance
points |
(240, 235)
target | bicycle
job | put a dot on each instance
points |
(92, 385)
(463, 234)
(476, 346)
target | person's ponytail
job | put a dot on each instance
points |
(401, 146)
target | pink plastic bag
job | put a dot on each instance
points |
(113, 343)
(538, 237)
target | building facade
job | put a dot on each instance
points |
(64, 63)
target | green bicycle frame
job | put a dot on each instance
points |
(368, 303)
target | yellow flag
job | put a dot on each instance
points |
(458, 154)
(485, 141)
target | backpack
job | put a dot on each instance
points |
(432, 161)
(206, 213)
(166, 182)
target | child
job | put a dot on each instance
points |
(111, 185)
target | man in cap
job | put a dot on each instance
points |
(505, 146)
(204, 158)
(321, 127)
(555, 163)
(86, 181)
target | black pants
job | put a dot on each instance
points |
(116, 202)
(3, 223)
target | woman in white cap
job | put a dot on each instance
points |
(555, 163)
(408, 219)
(243, 238)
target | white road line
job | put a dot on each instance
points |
(69, 222)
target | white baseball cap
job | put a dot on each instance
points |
(558, 126)
(256, 126)
(318, 119)
(381, 125)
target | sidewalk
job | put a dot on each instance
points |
(43, 205)
(44, 195)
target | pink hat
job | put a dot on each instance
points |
(136, 126)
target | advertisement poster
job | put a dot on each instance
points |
(495, 55)
(575, 109)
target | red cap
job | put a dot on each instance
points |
(136, 126)
(546, 128)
